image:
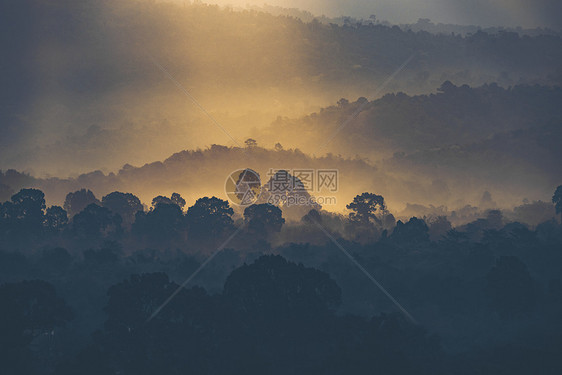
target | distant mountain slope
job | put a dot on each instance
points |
(84, 83)
(461, 140)
(403, 123)
(512, 165)
(517, 160)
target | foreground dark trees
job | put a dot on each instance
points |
(263, 219)
(29, 309)
(510, 287)
(309, 311)
(273, 317)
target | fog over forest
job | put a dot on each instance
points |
(506, 13)
(313, 187)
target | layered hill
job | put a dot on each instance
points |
(97, 84)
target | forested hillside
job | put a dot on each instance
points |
(102, 75)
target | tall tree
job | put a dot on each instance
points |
(24, 214)
(209, 217)
(124, 204)
(29, 205)
(176, 198)
(56, 218)
(165, 221)
(365, 208)
(77, 201)
(415, 231)
(263, 219)
(96, 222)
(251, 143)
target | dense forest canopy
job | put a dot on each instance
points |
(269, 290)
(187, 188)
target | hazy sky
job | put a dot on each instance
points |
(526, 13)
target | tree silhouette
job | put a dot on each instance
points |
(365, 207)
(77, 201)
(174, 199)
(415, 231)
(29, 205)
(312, 217)
(56, 218)
(142, 336)
(164, 222)
(177, 199)
(24, 214)
(263, 219)
(250, 143)
(124, 204)
(209, 217)
(96, 221)
(439, 227)
(281, 313)
(160, 199)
